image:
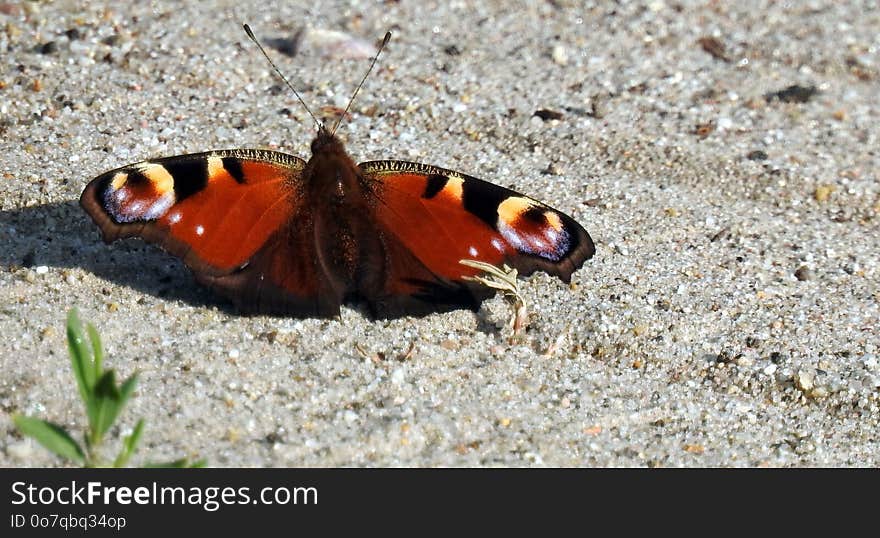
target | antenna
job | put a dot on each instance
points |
(320, 125)
(350, 101)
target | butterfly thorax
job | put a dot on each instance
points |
(331, 175)
(344, 238)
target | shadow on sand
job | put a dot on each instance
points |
(62, 235)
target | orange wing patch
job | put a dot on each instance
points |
(437, 229)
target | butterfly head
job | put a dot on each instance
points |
(326, 142)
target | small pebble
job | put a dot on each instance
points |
(793, 94)
(804, 380)
(804, 273)
(398, 376)
(22, 450)
(598, 107)
(823, 193)
(714, 47)
(819, 392)
(560, 55)
(552, 170)
(49, 48)
(547, 114)
(757, 155)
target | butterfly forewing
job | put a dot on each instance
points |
(213, 209)
(230, 215)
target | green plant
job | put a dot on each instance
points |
(504, 279)
(103, 401)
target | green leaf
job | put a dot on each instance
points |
(51, 436)
(92, 404)
(97, 349)
(129, 445)
(80, 357)
(106, 386)
(126, 389)
(107, 404)
(131, 441)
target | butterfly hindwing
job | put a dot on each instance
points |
(231, 216)
(440, 217)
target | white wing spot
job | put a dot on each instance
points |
(200, 229)
(513, 237)
(160, 206)
(473, 251)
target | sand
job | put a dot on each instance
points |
(729, 317)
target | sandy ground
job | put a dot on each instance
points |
(729, 317)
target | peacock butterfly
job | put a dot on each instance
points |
(280, 235)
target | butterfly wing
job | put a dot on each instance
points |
(234, 216)
(432, 218)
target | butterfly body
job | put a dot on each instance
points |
(279, 235)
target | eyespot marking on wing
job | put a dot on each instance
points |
(145, 193)
(510, 210)
(157, 175)
(118, 180)
(532, 229)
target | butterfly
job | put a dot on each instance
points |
(277, 234)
